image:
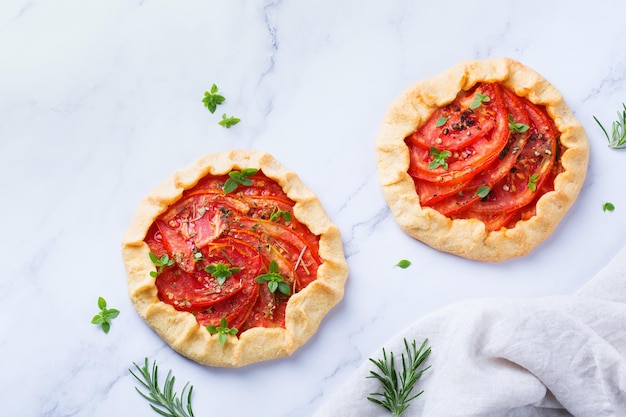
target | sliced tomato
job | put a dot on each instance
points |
(235, 309)
(299, 252)
(493, 221)
(155, 242)
(460, 201)
(180, 250)
(430, 192)
(457, 125)
(199, 290)
(269, 310)
(531, 169)
(234, 229)
(466, 161)
(264, 206)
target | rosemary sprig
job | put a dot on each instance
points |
(617, 140)
(166, 402)
(398, 386)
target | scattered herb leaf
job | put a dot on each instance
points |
(277, 214)
(227, 121)
(517, 127)
(403, 263)
(165, 402)
(478, 100)
(221, 271)
(274, 280)
(211, 99)
(398, 385)
(441, 121)
(483, 191)
(439, 158)
(532, 182)
(104, 317)
(237, 178)
(608, 207)
(160, 263)
(617, 140)
(222, 331)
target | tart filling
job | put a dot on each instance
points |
(481, 161)
(233, 260)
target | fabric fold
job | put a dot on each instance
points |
(550, 356)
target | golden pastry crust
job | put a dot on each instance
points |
(468, 237)
(305, 309)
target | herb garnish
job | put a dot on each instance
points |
(211, 99)
(608, 207)
(441, 121)
(617, 140)
(439, 158)
(532, 182)
(221, 271)
(222, 330)
(160, 263)
(398, 386)
(277, 214)
(104, 317)
(517, 127)
(274, 280)
(478, 100)
(403, 263)
(166, 402)
(483, 191)
(237, 178)
(227, 121)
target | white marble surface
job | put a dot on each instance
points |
(100, 102)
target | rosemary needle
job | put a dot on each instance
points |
(166, 402)
(617, 140)
(398, 386)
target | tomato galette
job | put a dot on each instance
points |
(233, 260)
(481, 161)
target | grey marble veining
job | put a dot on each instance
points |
(101, 101)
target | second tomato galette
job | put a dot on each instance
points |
(481, 161)
(233, 260)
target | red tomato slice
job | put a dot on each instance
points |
(296, 256)
(179, 249)
(154, 241)
(199, 290)
(493, 221)
(458, 202)
(234, 229)
(533, 165)
(461, 124)
(430, 192)
(466, 161)
(269, 310)
(235, 309)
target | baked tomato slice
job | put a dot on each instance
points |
(180, 250)
(297, 257)
(269, 309)
(532, 167)
(235, 309)
(456, 125)
(518, 136)
(199, 290)
(461, 163)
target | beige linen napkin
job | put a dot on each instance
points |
(552, 356)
